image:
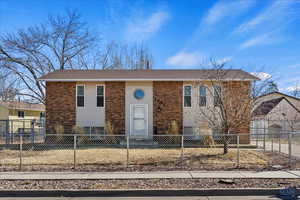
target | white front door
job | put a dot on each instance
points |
(139, 120)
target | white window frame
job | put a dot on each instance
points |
(83, 95)
(220, 94)
(201, 96)
(183, 95)
(103, 96)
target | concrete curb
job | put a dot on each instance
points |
(139, 193)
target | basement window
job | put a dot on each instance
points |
(21, 114)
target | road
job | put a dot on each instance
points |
(149, 198)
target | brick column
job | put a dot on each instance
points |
(115, 105)
(167, 105)
(60, 105)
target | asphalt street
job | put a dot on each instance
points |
(149, 198)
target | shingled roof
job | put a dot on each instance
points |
(16, 105)
(267, 106)
(146, 75)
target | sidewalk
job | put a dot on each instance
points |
(146, 175)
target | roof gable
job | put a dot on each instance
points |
(22, 106)
(267, 106)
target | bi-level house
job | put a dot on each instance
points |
(139, 103)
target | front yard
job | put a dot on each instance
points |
(115, 159)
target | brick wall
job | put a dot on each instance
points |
(238, 107)
(167, 105)
(60, 105)
(115, 105)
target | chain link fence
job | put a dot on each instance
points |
(32, 131)
(168, 152)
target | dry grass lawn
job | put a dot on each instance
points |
(192, 156)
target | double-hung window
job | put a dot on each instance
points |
(202, 96)
(217, 95)
(80, 95)
(187, 96)
(100, 96)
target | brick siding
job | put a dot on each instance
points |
(239, 110)
(167, 105)
(60, 105)
(115, 105)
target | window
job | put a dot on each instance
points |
(21, 114)
(217, 95)
(202, 96)
(80, 95)
(187, 96)
(100, 96)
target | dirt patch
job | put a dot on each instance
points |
(146, 184)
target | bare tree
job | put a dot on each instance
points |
(63, 42)
(60, 43)
(8, 90)
(227, 104)
(120, 56)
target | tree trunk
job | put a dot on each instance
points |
(226, 141)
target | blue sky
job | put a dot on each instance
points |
(255, 35)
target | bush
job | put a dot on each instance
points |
(82, 138)
(173, 129)
(59, 131)
(109, 131)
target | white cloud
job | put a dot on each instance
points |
(144, 28)
(293, 88)
(262, 75)
(279, 12)
(186, 59)
(223, 9)
(259, 40)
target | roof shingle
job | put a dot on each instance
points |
(123, 75)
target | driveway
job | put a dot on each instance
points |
(284, 147)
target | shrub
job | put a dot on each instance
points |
(173, 129)
(109, 131)
(59, 131)
(82, 138)
(207, 135)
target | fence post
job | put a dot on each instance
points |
(238, 150)
(127, 150)
(21, 149)
(7, 135)
(182, 146)
(279, 143)
(290, 149)
(264, 144)
(272, 143)
(75, 147)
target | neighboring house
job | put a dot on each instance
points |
(141, 103)
(17, 116)
(276, 113)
